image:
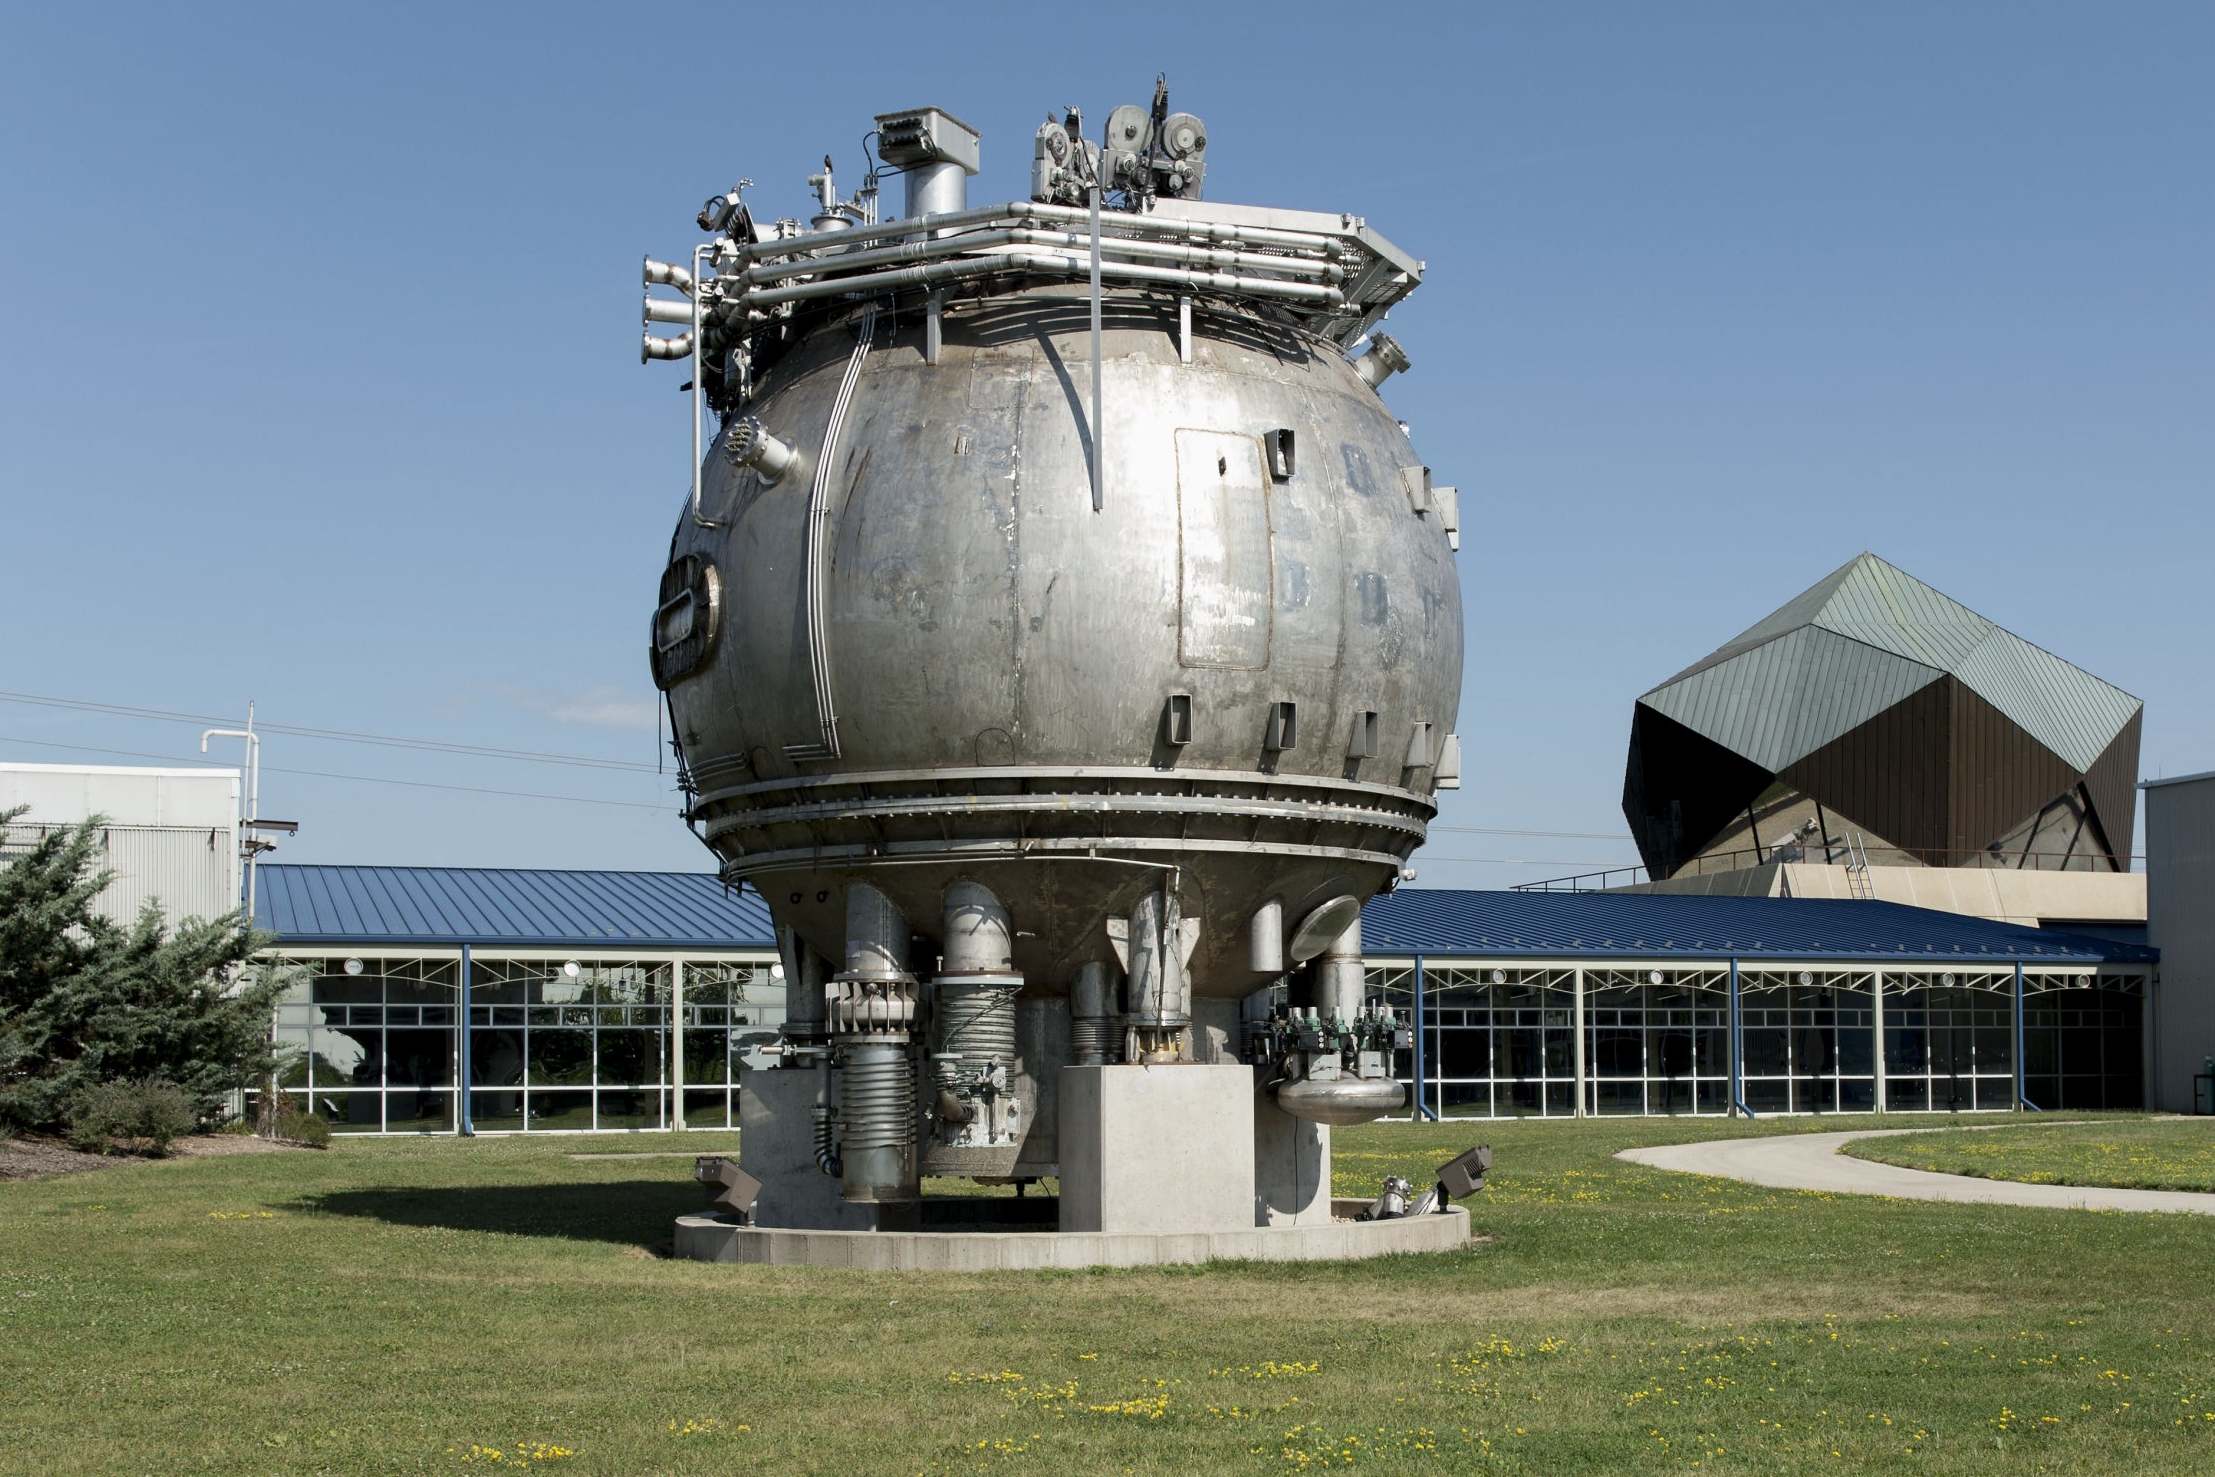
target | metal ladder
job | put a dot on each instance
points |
(1857, 869)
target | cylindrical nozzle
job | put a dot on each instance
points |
(1160, 993)
(1385, 359)
(978, 933)
(651, 348)
(665, 274)
(662, 310)
(876, 936)
(1265, 938)
(748, 444)
(1091, 1020)
(1340, 979)
(806, 1011)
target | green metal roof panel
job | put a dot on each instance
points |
(1893, 611)
(1799, 611)
(1786, 698)
(1862, 638)
(2062, 706)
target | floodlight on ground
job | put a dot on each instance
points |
(734, 1190)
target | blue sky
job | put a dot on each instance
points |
(318, 378)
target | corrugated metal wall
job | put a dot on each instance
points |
(2180, 878)
(191, 871)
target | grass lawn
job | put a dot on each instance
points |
(2139, 1154)
(389, 1306)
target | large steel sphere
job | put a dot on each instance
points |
(1057, 701)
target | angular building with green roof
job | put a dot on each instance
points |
(1876, 721)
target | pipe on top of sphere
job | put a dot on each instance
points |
(1044, 262)
(1033, 210)
(979, 937)
(1306, 264)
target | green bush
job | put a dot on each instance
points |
(148, 1113)
(85, 1001)
(303, 1127)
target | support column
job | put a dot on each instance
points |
(1737, 1048)
(2148, 1062)
(1876, 1031)
(1416, 1110)
(2022, 1098)
(676, 1044)
(462, 1125)
(1576, 1016)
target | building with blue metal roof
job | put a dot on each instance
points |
(436, 999)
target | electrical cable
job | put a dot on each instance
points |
(334, 735)
(324, 774)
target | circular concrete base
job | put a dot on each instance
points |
(710, 1238)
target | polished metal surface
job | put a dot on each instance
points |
(1201, 707)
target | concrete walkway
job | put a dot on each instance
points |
(1811, 1161)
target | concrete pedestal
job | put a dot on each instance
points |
(1158, 1150)
(1292, 1168)
(776, 1145)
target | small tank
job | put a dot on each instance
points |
(1059, 628)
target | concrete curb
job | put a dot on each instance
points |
(709, 1239)
(1811, 1161)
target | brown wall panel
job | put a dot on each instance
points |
(2112, 782)
(2001, 775)
(1890, 774)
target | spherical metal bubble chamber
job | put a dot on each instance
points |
(1021, 685)
(932, 659)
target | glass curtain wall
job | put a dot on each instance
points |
(371, 1044)
(1499, 1042)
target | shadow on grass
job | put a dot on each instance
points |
(639, 1213)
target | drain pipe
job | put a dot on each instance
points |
(2023, 1103)
(1737, 1047)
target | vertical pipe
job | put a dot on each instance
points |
(462, 1125)
(1577, 1059)
(2022, 1098)
(1737, 1046)
(1099, 436)
(1876, 1030)
(676, 1044)
(1416, 1110)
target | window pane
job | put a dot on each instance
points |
(628, 1057)
(561, 1058)
(419, 1058)
(495, 1057)
(495, 1110)
(419, 1112)
(706, 1057)
(552, 1110)
(706, 1109)
(636, 1108)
